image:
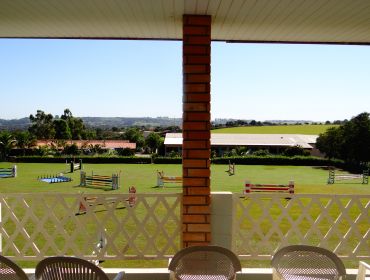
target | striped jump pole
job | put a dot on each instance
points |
(249, 188)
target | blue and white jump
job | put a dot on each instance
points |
(8, 172)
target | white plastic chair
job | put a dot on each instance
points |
(363, 271)
(204, 263)
(302, 262)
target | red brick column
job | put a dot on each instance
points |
(196, 130)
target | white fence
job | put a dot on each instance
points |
(34, 226)
(37, 225)
(263, 223)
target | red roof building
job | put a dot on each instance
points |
(105, 144)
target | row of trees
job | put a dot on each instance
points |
(349, 141)
(238, 123)
(45, 126)
(67, 127)
(24, 141)
(20, 139)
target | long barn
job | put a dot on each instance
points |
(222, 143)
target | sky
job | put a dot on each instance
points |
(111, 78)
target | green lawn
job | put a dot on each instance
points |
(278, 129)
(143, 177)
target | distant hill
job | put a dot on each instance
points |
(307, 129)
(124, 121)
(106, 122)
(14, 124)
(102, 122)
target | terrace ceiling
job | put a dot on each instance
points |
(296, 21)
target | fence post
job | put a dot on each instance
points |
(365, 177)
(83, 178)
(132, 196)
(222, 219)
(159, 179)
(114, 181)
(247, 186)
(291, 187)
(331, 178)
(14, 171)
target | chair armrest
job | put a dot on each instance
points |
(362, 269)
(276, 275)
(119, 276)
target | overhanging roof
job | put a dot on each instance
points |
(260, 140)
(295, 21)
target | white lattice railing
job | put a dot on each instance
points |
(37, 225)
(34, 226)
(263, 223)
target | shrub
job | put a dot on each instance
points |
(85, 159)
(279, 160)
(295, 151)
(261, 153)
(167, 160)
(126, 152)
(71, 150)
(174, 154)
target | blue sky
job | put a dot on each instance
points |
(144, 78)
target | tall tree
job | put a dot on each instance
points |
(76, 125)
(134, 135)
(153, 141)
(62, 130)
(25, 140)
(331, 142)
(42, 125)
(350, 141)
(356, 140)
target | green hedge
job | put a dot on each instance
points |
(279, 160)
(85, 159)
(247, 160)
(167, 160)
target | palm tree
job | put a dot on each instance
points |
(25, 140)
(7, 142)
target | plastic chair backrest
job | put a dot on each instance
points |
(9, 270)
(204, 262)
(307, 262)
(60, 268)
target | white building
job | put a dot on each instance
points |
(272, 142)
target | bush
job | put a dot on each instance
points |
(126, 152)
(174, 154)
(85, 159)
(71, 150)
(167, 160)
(295, 151)
(261, 153)
(279, 160)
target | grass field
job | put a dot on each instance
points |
(143, 177)
(278, 129)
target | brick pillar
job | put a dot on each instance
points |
(196, 130)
